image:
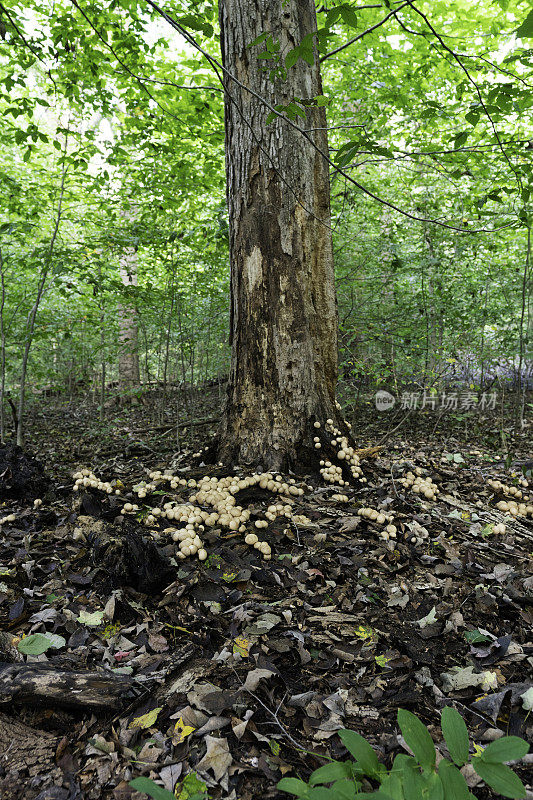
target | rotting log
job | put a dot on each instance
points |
(44, 684)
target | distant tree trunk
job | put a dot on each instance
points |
(42, 288)
(128, 360)
(2, 349)
(283, 305)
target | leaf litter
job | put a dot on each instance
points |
(239, 672)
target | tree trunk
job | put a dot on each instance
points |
(25, 754)
(283, 304)
(128, 360)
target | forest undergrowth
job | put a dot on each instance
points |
(410, 590)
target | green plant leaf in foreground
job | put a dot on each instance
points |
(150, 788)
(417, 738)
(499, 777)
(456, 735)
(363, 753)
(508, 748)
(293, 786)
(454, 784)
(331, 772)
(37, 643)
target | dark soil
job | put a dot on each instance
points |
(345, 627)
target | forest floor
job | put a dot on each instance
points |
(235, 672)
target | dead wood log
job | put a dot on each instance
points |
(45, 684)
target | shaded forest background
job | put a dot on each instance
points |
(113, 236)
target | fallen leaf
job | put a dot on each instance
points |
(146, 720)
(217, 758)
(181, 731)
(254, 676)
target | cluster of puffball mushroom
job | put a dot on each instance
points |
(211, 504)
(380, 518)
(513, 506)
(420, 485)
(332, 473)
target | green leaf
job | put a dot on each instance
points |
(472, 117)
(331, 772)
(456, 735)
(499, 777)
(292, 57)
(260, 38)
(196, 24)
(508, 748)
(332, 16)
(345, 789)
(525, 30)
(191, 787)
(349, 16)
(414, 785)
(475, 636)
(293, 786)
(417, 737)
(37, 643)
(392, 783)
(454, 784)
(150, 788)
(363, 753)
(321, 793)
(460, 139)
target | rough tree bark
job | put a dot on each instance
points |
(283, 304)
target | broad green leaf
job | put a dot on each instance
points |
(363, 753)
(320, 793)
(345, 789)
(38, 643)
(332, 16)
(293, 786)
(456, 735)
(349, 16)
(150, 788)
(417, 737)
(508, 748)
(292, 57)
(499, 777)
(331, 772)
(392, 783)
(196, 24)
(414, 786)
(378, 795)
(525, 31)
(454, 784)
